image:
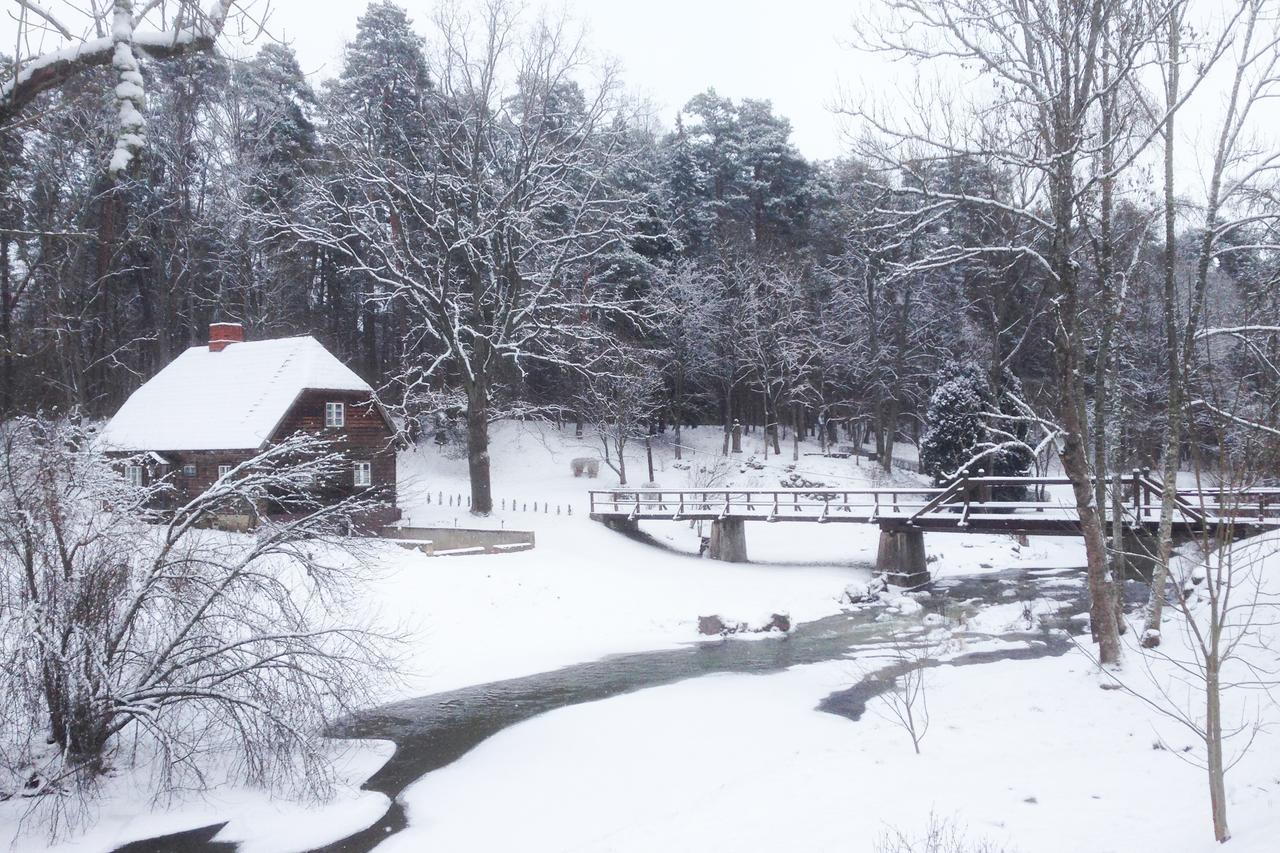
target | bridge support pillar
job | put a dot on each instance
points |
(728, 540)
(621, 525)
(1138, 562)
(900, 558)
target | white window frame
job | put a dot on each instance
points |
(190, 470)
(133, 475)
(335, 415)
(224, 470)
(362, 474)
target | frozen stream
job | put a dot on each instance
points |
(433, 731)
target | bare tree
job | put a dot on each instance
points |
(484, 233)
(1224, 606)
(773, 347)
(941, 835)
(1043, 62)
(1238, 175)
(686, 304)
(126, 624)
(906, 699)
(621, 398)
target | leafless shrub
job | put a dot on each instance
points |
(911, 653)
(941, 835)
(906, 701)
(122, 627)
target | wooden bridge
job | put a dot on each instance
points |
(969, 505)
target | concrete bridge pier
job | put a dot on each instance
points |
(900, 558)
(621, 524)
(728, 541)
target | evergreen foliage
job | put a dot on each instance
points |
(963, 431)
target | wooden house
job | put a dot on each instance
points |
(216, 406)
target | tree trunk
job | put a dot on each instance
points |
(478, 449)
(797, 425)
(1213, 742)
(764, 403)
(1173, 420)
(888, 433)
(677, 413)
(1102, 614)
(728, 427)
(6, 331)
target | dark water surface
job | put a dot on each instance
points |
(433, 731)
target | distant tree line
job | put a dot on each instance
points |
(483, 225)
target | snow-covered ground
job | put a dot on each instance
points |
(586, 591)
(1027, 753)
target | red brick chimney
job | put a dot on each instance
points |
(221, 334)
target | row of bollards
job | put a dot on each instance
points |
(546, 507)
(516, 506)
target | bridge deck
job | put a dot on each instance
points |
(966, 506)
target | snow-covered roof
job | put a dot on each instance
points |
(228, 400)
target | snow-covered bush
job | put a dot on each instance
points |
(122, 627)
(970, 426)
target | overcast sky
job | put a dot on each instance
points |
(795, 53)
(787, 51)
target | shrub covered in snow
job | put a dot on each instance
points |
(124, 631)
(968, 425)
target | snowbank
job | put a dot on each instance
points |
(124, 811)
(1027, 754)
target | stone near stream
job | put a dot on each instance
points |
(779, 622)
(717, 626)
(710, 625)
(864, 593)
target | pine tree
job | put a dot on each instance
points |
(685, 186)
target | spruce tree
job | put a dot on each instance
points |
(956, 425)
(962, 424)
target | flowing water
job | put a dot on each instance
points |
(432, 731)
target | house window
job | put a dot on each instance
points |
(188, 470)
(335, 414)
(364, 474)
(133, 475)
(224, 470)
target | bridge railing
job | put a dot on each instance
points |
(758, 503)
(965, 498)
(1256, 504)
